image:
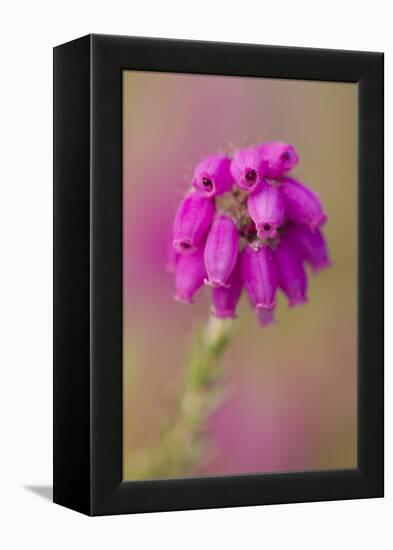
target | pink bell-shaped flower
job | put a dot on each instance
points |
(266, 208)
(280, 157)
(221, 250)
(301, 204)
(226, 298)
(259, 276)
(192, 221)
(292, 277)
(248, 168)
(212, 176)
(311, 244)
(190, 274)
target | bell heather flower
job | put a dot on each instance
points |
(311, 244)
(248, 168)
(193, 219)
(190, 274)
(257, 234)
(280, 157)
(221, 250)
(301, 204)
(212, 176)
(266, 209)
(259, 276)
(225, 298)
(291, 274)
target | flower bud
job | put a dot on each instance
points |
(221, 250)
(281, 157)
(225, 298)
(212, 176)
(266, 208)
(259, 276)
(190, 274)
(311, 244)
(248, 168)
(301, 204)
(193, 219)
(292, 277)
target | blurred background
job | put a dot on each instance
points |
(290, 403)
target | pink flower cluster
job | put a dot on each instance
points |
(247, 224)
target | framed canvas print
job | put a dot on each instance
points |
(218, 275)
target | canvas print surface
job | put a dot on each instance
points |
(239, 275)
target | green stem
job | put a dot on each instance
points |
(182, 440)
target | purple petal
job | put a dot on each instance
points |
(225, 298)
(291, 274)
(266, 208)
(281, 157)
(221, 250)
(301, 204)
(248, 168)
(193, 219)
(259, 276)
(190, 275)
(212, 176)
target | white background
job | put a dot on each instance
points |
(29, 30)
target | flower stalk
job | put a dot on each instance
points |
(182, 438)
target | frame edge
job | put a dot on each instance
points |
(71, 275)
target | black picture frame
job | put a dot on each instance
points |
(88, 274)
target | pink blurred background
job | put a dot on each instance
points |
(291, 402)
